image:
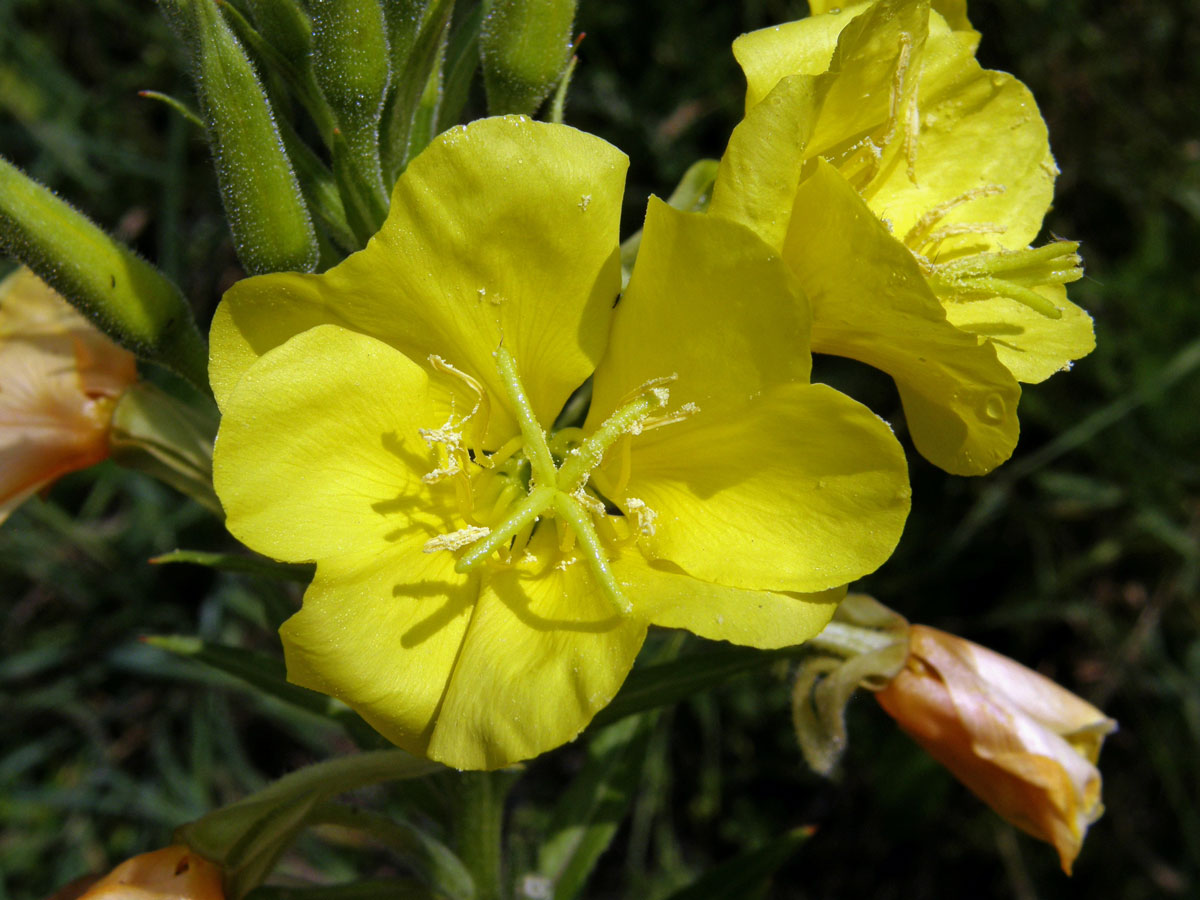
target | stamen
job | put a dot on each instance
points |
(686, 411)
(897, 92)
(455, 539)
(482, 404)
(642, 514)
(860, 164)
(918, 235)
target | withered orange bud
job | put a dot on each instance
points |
(173, 873)
(1022, 744)
(59, 381)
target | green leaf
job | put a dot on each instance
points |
(587, 817)
(246, 838)
(435, 864)
(396, 889)
(462, 60)
(667, 683)
(267, 675)
(415, 61)
(747, 874)
(236, 562)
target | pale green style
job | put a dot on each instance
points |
(874, 146)
(483, 580)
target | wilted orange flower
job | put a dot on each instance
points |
(173, 873)
(59, 381)
(1022, 744)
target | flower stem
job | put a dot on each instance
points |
(479, 820)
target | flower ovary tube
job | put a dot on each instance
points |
(541, 476)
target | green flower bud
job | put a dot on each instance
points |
(350, 60)
(524, 46)
(124, 295)
(272, 228)
(417, 30)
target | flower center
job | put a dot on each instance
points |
(541, 478)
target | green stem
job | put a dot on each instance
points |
(479, 819)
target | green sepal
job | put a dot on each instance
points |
(524, 46)
(128, 299)
(271, 226)
(247, 838)
(748, 874)
(587, 817)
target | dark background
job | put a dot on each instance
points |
(1081, 557)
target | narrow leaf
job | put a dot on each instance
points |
(747, 874)
(236, 562)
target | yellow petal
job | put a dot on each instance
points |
(870, 53)
(802, 489)
(1031, 346)
(760, 169)
(543, 653)
(667, 596)
(381, 630)
(502, 230)
(710, 303)
(871, 303)
(319, 453)
(804, 47)
(982, 143)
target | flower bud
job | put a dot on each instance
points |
(128, 298)
(272, 228)
(524, 46)
(59, 382)
(1022, 744)
(173, 873)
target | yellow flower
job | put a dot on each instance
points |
(59, 381)
(484, 577)
(874, 144)
(173, 873)
(1022, 744)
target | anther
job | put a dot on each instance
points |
(456, 540)
(918, 235)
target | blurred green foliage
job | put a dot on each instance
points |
(1081, 557)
